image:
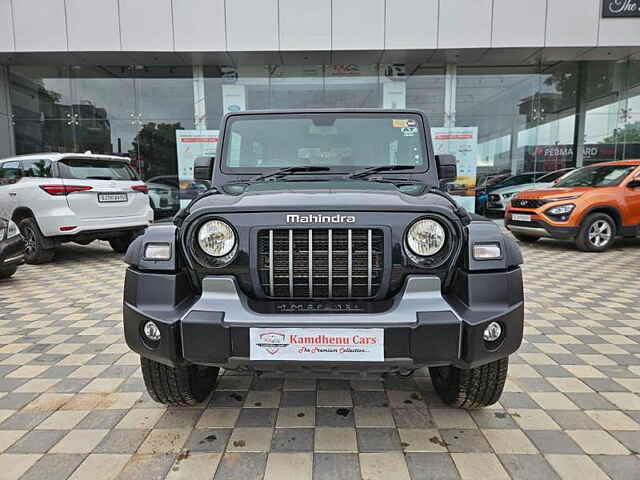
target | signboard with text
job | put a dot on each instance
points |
(620, 8)
(191, 144)
(463, 143)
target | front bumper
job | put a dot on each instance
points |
(539, 228)
(421, 327)
(496, 206)
(12, 252)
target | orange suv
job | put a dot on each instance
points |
(590, 206)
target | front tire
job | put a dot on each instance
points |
(473, 388)
(597, 233)
(7, 272)
(526, 238)
(35, 252)
(178, 386)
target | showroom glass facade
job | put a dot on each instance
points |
(526, 119)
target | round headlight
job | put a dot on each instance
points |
(426, 237)
(216, 238)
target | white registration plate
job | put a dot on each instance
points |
(517, 217)
(112, 197)
(317, 344)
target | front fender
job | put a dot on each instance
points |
(159, 233)
(486, 231)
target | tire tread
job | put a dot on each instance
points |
(473, 388)
(177, 386)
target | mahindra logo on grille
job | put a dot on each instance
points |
(321, 218)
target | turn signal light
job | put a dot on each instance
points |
(57, 190)
(487, 251)
(141, 188)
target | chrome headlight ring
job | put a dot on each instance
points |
(426, 237)
(212, 242)
(216, 238)
(443, 239)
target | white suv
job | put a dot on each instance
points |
(70, 197)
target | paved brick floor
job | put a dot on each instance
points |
(72, 402)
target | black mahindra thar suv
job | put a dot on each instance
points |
(326, 246)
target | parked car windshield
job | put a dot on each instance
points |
(343, 142)
(553, 176)
(95, 169)
(598, 176)
(517, 180)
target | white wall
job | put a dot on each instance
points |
(306, 25)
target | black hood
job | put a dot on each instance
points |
(342, 195)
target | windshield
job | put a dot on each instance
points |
(601, 176)
(517, 180)
(342, 142)
(553, 176)
(97, 169)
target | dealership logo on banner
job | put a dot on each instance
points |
(620, 8)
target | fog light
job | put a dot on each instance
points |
(492, 332)
(151, 331)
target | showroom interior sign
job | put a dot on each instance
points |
(620, 8)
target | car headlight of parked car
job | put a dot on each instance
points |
(216, 238)
(561, 212)
(426, 237)
(8, 230)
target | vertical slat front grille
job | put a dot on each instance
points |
(320, 263)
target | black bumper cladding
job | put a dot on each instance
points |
(12, 252)
(432, 330)
(543, 228)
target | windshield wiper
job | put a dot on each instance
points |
(397, 181)
(283, 172)
(383, 168)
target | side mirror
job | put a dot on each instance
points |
(635, 183)
(203, 168)
(447, 168)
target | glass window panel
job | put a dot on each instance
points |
(352, 86)
(44, 136)
(297, 86)
(503, 103)
(6, 136)
(631, 114)
(101, 92)
(40, 92)
(604, 120)
(425, 91)
(213, 81)
(164, 92)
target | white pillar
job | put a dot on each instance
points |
(199, 99)
(450, 84)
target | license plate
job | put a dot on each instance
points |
(317, 344)
(520, 218)
(112, 197)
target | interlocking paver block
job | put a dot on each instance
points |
(72, 393)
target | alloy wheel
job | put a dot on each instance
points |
(29, 240)
(599, 233)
